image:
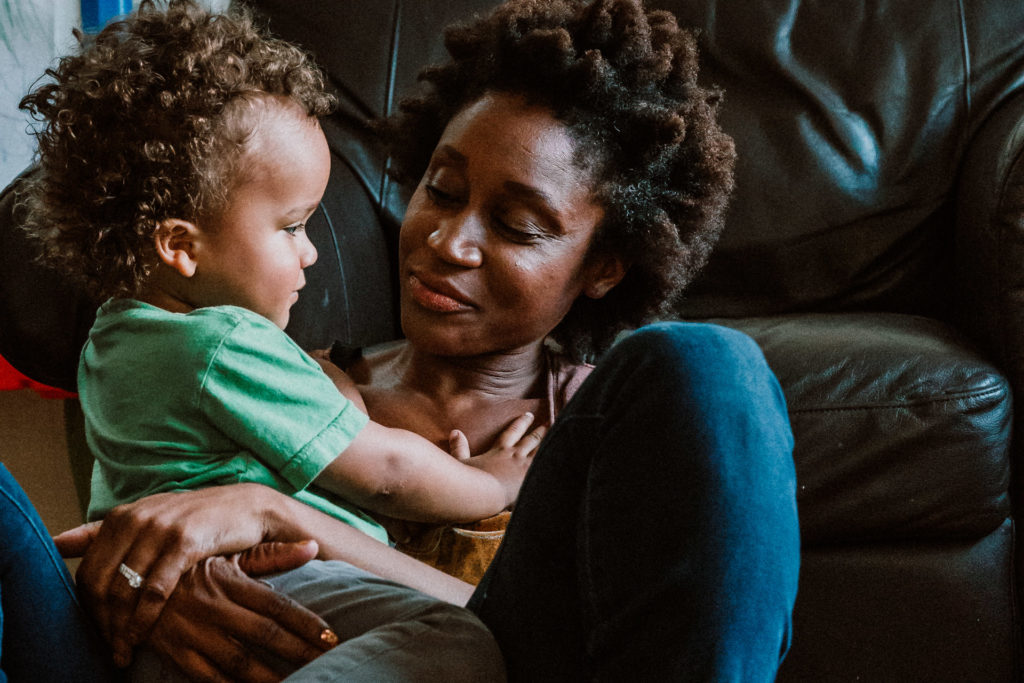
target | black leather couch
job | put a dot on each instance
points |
(875, 249)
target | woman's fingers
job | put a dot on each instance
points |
(133, 615)
(219, 619)
(108, 594)
(280, 625)
(203, 651)
(74, 542)
(277, 556)
(155, 549)
(513, 434)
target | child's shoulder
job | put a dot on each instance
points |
(231, 316)
(203, 327)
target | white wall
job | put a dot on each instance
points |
(33, 34)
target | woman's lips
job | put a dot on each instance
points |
(434, 300)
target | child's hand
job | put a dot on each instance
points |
(509, 458)
(458, 445)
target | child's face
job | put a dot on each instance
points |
(253, 252)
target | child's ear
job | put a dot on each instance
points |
(175, 242)
(606, 271)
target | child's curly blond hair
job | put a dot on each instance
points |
(135, 132)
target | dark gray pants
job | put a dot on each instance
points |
(388, 632)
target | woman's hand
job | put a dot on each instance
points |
(159, 537)
(218, 619)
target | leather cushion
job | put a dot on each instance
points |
(902, 430)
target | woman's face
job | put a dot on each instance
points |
(492, 250)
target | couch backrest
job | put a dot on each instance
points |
(851, 119)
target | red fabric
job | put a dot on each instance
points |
(10, 378)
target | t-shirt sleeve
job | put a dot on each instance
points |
(267, 395)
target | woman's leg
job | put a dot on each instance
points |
(45, 634)
(389, 632)
(656, 534)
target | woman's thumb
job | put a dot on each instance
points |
(270, 558)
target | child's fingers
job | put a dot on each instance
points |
(458, 445)
(513, 434)
(528, 444)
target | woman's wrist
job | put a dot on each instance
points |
(276, 514)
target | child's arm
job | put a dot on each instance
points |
(400, 474)
(341, 380)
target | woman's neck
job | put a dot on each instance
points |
(408, 388)
(507, 375)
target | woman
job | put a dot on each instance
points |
(573, 181)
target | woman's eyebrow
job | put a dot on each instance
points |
(450, 155)
(530, 194)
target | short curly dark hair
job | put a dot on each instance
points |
(623, 79)
(138, 128)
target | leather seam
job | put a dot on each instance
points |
(905, 404)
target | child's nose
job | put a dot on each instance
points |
(307, 256)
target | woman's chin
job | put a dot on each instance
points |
(440, 344)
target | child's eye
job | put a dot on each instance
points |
(292, 229)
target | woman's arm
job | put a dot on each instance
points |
(161, 537)
(290, 520)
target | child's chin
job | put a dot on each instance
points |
(279, 319)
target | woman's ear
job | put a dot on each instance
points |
(605, 271)
(175, 242)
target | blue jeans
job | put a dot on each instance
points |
(45, 634)
(656, 535)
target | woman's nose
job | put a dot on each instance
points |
(455, 240)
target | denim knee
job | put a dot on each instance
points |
(703, 354)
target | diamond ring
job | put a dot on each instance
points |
(134, 578)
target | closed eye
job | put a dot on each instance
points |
(515, 234)
(439, 196)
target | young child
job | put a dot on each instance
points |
(179, 160)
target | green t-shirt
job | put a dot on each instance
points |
(221, 395)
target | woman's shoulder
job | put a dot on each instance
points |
(565, 376)
(364, 363)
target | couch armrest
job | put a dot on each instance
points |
(990, 239)
(43, 319)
